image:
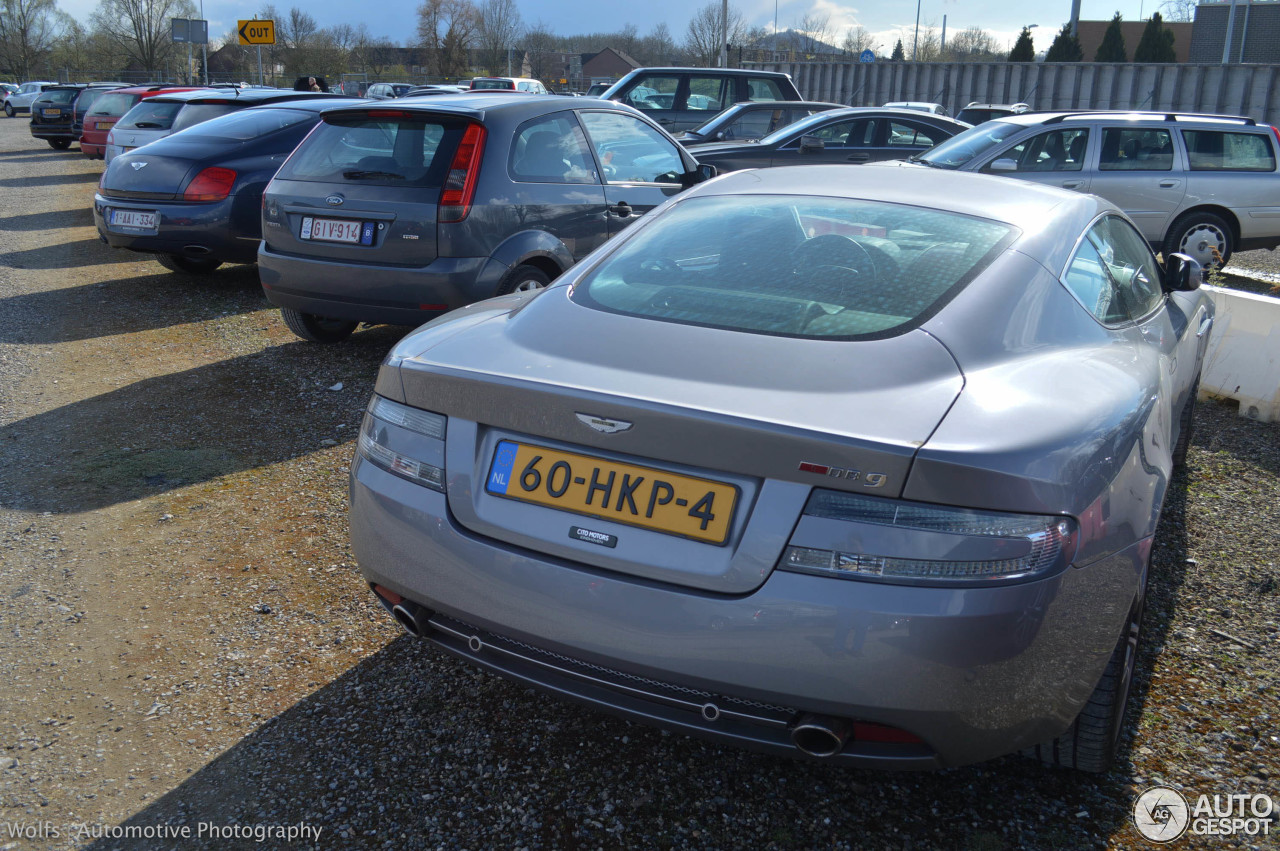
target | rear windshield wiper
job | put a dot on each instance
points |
(147, 124)
(362, 175)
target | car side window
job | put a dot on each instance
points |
(1136, 149)
(859, 133)
(1057, 150)
(759, 88)
(904, 135)
(752, 124)
(652, 92)
(1211, 150)
(631, 151)
(707, 93)
(1114, 274)
(551, 149)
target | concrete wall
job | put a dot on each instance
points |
(1243, 358)
(1252, 90)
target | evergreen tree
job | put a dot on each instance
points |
(898, 53)
(1156, 44)
(1065, 48)
(1112, 47)
(1023, 49)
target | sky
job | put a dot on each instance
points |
(885, 20)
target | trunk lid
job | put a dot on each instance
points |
(744, 410)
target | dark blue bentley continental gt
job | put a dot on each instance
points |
(194, 199)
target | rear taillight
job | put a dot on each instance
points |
(212, 184)
(1276, 130)
(460, 183)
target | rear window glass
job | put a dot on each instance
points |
(197, 113)
(974, 142)
(493, 84)
(87, 99)
(113, 104)
(59, 96)
(1213, 150)
(249, 123)
(151, 115)
(368, 150)
(795, 266)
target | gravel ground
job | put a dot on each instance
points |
(185, 642)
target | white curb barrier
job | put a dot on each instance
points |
(1243, 358)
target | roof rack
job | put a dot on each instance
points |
(1167, 116)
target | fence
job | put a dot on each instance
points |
(1251, 90)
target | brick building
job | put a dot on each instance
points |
(1091, 32)
(1255, 37)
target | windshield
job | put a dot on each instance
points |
(795, 266)
(114, 103)
(799, 128)
(151, 115)
(246, 124)
(974, 142)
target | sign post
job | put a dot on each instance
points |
(191, 31)
(257, 33)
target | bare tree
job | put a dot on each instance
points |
(928, 46)
(1179, 10)
(140, 29)
(706, 32)
(972, 45)
(497, 31)
(857, 39)
(27, 32)
(811, 33)
(658, 47)
(627, 39)
(540, 50)
(447, 30)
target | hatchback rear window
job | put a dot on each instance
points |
(198, 113)
(151, 115)
(493, 84)
(817, 268)
(249, 124)
(59, 95)
(114, 104)
(366, 149)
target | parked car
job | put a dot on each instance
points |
(7, 89)
(683, 98)
(386, 215)
(51, 115)
(823, 408)
(109, 108)
(976, 113)
(595, 90)
(85, 101)
(508, 84)
(384, 91)
(922, 106)
(436, 89)
(748, 121)
(161, 115)
(1194, 184)
(21, 100)
(194, 199)
(855, 135)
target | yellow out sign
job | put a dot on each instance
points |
(257, 32)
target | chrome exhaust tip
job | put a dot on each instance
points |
(821, 735)
(410, 616)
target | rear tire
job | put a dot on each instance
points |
(8, 110)
(317, 329)
(523, 278)
(1196, 235)
(59, 144)
(1186, 427)
(1091, 742)
(190, 265)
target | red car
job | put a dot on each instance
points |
(106, 111)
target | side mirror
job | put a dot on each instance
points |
(811, 144)
(1182, 273)
(703, 172)
(1005, 164)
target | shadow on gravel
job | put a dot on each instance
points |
(81, 253)
(410, 749)
(51, 179)
(1220, 428)
(129, 305)
(51, 220)
(33, 158)
(158, 434)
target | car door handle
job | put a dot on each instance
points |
(1169, 184)
(858, 158)
(622, 210)
(1072, 184)
(666, 121)
(1205, 325)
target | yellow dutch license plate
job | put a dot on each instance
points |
(667, 502)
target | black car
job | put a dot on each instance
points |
(683, 98)
(399, 212)
(194, 199)
(852, 135)
(51, 115)
(84, 102)
(751, 120)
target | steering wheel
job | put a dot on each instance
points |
(832, 284)
(833, 250)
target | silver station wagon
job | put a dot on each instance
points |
(1191, 183)
(859, 464)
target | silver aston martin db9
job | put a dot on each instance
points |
(860, 464)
